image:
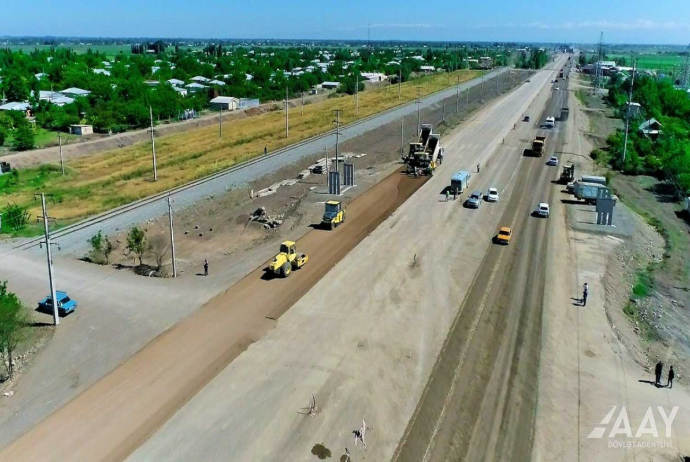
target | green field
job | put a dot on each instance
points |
(652, 61)
(109, 50)
(45, 138)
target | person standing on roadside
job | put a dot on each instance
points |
(265, 150)
(658, 370)
(447, 195)
(205, 267)
(671, 376)
(585, 292)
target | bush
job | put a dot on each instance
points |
(23, 139)
(15, 216)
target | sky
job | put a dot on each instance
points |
(573, 21)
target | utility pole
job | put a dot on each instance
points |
(443, 116)
(400, 82)
(457, 97)
(627, 114)
(357, 92)
(402, 136)
(153, 147)
(482, 94)
(49, 256)
(286, 113)
(337, 137)
(419, 120)
(328, 179)
(467, 102)
(302, 107)
(220, 123)
(172, 239)
(62, 161)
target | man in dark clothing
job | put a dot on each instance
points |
(585, 292)
(671, 375)
(657, 372)
(265, 151)
(205, 267)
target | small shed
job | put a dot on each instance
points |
(81, 130)
(330, 85)
(651, 128)
(225, 103)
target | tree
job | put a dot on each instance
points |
(15, 216)
(158, 248)
(3, 135)
(14, 323)
(101, 248)
(23, 138)
(136, 242)
(108, 248)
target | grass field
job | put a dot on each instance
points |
(46, 138)
(110, 179)
(109, 50)
(652, 61)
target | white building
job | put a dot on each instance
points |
(427, 68)
(195, 87)
(226, 103)
(73, 92)
(200, 78)
(374, 76)
(101, 71)
(220, 83)
(175, 82)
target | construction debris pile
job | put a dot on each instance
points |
(268, 222)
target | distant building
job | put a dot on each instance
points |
(330, 85)
(151, 83)
(81, 130)
(195, 87)
(427, 68)
(651, 128)
(40, 75)
(485, 62)
(175, 82)
(226, 103)
(101, 71)
(14, 106)
(180, 91)
(200, 78)
(374, 76)
(74, 92)
(155, 69)
(219, 83)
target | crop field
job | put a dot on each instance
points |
(652, 61)
(103, 181)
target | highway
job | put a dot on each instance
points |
(229, 379)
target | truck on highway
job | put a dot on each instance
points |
(588, 191)
(459, 182)
(567, 174)
(594, 179)
(538, 147)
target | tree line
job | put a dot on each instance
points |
(667, 154)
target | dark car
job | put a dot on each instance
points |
(474, 200)
(65, 304)
(526, 119)
(317, 170)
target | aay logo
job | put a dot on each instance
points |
(621, 426)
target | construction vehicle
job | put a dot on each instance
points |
(423, 154)
(333, 215)
(459, 182)
(538, 146)
(567, 174)
(287, 260)
(589, 191)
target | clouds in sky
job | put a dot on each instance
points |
(640, 24)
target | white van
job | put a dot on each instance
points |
(550, 122)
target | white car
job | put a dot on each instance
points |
(542, 210)
(492, 195)
(553, 160)
(556, 88)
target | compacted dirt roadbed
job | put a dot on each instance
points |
(118, 413)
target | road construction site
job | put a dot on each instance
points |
(407, 316)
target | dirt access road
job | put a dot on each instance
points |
(113, 417)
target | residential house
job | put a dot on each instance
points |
(195, 87)
(219, 83)
(74, 92)
(374, 76)
(330, 85)
(40, 75)
(151, 83)
(427, 68)
(175, 82)
(651, 128)
(225, 103)
(101, 71)
(200, 78)
(14, 106)
(180, 91)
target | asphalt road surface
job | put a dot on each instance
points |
(481, 399)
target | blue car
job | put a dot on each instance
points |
(65, 304)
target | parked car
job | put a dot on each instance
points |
(553, 160)
(65, 304)
(475, 200)
(504, 236)
(542, 210)
(492, 195)
(317, 170)
(526, 119)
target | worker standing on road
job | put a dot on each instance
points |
(585, 292)
(658, 370)
(477, 168)
(205, 267)
(671, 376)
(265, 150)
(447, 195)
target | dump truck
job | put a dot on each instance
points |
(334, 214)
(423, 154)
(567, 174)
(538, 146)
(287, 260)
